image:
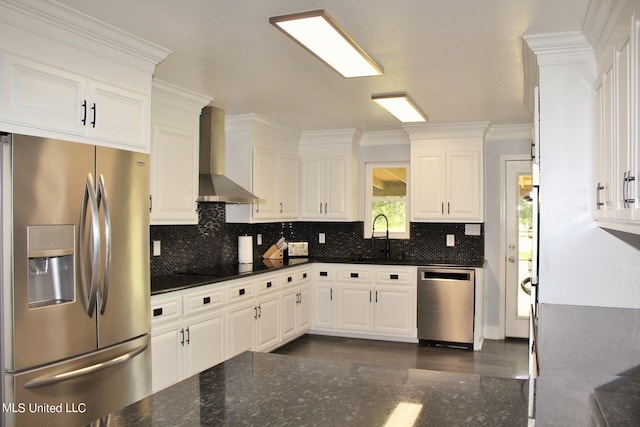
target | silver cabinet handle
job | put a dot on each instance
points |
(628, 178)
(255, 312)
(43, 381)
(188, 335)
(280, 207)
(599, 188)
(103, 199)
(89, 199)
(182, 336)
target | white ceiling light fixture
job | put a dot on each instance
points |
(401, 106)
(321, 35)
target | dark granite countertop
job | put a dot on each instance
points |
(618, 401)
(184, 280)
(277, 390)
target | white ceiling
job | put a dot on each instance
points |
(460, 60)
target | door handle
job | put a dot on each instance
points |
(102, 199)
(43, 381)
(89, 200)
(512, 259)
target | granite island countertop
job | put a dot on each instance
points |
(220, 273)
(276, 390)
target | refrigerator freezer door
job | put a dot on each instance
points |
(49, 181)
(80, 390)
(123, 308)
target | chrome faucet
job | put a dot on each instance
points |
(387, 247)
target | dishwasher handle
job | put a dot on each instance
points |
(446, 275)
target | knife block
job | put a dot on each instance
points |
(272, 253)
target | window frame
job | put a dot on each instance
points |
(368, 199)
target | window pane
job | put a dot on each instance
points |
(389, 182)
(395, 211)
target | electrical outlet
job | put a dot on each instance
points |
(259, 239)
(451, 240)
(156, 248)
(320, 237)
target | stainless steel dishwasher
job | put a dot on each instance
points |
(446, 306)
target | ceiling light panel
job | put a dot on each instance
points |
(321, 35)
(401, 106)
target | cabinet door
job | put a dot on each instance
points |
(624, 143)
(41, 96)
(324, 307)
(395, 311)
(312, 179)
(335, 181)
(117, 115)
(268, 326)
(464, 186)
(288, 187)
(240, 329)
(166, 357)
(289, 308)
(203, 344)
(355, 312)
(303, 318)
(428, 185)
(607, 194)
(265, 175)
(174, 175)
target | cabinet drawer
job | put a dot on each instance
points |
(165, 309)
(268, 284)
(324, 274)
(303, 276)
(240, 292)
(202, 301)
(394, 276)
(354, 275)
(289, 279)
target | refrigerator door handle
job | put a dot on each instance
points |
(47, 380)
(89, 200)
(102, 199)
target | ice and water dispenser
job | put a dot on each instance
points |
(51, 250)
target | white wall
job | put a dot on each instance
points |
(500, 141)
(580, 264)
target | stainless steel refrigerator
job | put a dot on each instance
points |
(75, 281)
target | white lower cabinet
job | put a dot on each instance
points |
(366, 301)
(187, 330)
(296, 312)
(240, 328)
(268, 323)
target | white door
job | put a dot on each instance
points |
(288, 187)
(204, 344)
(519, 240)
(354, 308)
(268, 324)
(394, 310)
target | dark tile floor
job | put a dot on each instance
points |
(506, 359)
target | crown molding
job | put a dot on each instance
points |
(334, 136)
(169, 93)
(569, 47)
(390, 137)
(261, 125)
(70, 27)
(446, 130)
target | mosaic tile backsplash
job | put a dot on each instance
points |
(214, 242)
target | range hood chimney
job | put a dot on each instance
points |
(214, 185)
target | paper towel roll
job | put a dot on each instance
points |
(245, 249)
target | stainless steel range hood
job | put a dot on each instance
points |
(214, 185)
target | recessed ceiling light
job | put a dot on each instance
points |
(401, 106)
(321, 35)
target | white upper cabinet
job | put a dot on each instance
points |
(616, 131)
(85, 82)
(275, 180)
(263, 156)
(329, 175)
(175, 117)
(447, 172)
